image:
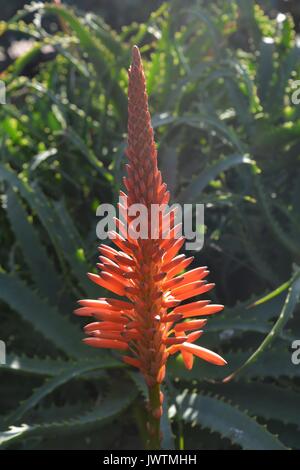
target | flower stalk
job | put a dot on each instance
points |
(155, 413)
(151, 323)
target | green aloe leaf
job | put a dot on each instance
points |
(274, 363)
(41, 267)
(265, 69)
(195, 188)
(252, 315)
(44, 318)
(35, 365)
(61, 236)
(114, 404)
(93, 47)
(285, 314)
(51, 384)
(268, 402)
(227, 420)
(52, 367)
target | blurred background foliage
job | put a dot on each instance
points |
(220, 79)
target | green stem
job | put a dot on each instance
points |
(141, 417)
(155, 411)
(181, 436)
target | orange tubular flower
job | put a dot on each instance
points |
(150, 325)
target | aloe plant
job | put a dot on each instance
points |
(228, 138)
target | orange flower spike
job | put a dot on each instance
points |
(150, 325)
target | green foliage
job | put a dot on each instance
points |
(220, 83)
(108, 409)
(219, 416)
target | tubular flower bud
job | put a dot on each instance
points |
(151, 324)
